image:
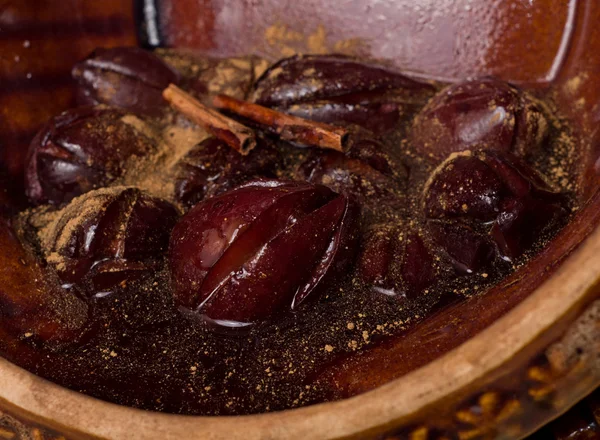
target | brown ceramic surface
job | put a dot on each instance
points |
(535, 354)
(39, 43)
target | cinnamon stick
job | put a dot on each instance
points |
(237, 136)
(288, 127)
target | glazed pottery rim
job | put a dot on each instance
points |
(57, 407)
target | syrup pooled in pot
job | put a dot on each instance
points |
(183, 275)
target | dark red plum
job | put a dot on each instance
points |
(465, 187)
(374, 116)
(108, 237)
(396, 262)
(418, 269)
(260, 249)
(128, 77)
(476, 200)
(212, 167)
(80, 150)
(523, 221)
(480, 114)
(379, 246)
(468, 250)
(337, 88)
(303, 78)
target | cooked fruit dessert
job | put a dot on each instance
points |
(229, 236)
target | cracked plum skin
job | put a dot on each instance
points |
(480, 114)
(80, 150)
(127, 77)
(124, 235)
(260, 249)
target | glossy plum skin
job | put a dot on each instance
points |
(128, 77)
(396, 263)
(260, 249)
(108, 238)
(212, 167)
(485, 203)
(480, 114)
(340, 89)
(468, 249)
(80, 150)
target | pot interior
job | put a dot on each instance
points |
(550, 47)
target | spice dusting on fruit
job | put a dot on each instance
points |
(175, 274)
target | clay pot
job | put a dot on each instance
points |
(502, 364)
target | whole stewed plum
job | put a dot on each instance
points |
(263, 247)
(221, 236)
(396, 261)
(80, 150)
(133, 79)
(107, 237)
(126, 77)
(485, 113)
(337, 88)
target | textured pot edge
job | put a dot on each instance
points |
(525, 392)
(396, 404)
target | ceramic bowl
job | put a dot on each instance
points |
(496, 366)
